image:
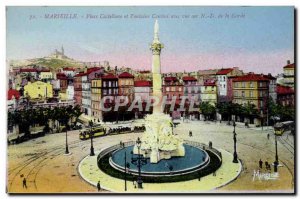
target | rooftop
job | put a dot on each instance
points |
(251, 77)
(188, 78)
(281, 90)
(109, 76)
(13, 93)
(126, 75)
(224, 71)
(290, 66)
(142, 83)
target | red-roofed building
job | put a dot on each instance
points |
(110, 86)
(13, 94)
(285, 95)
(191, 89)
(251, 88)
(143, 89)
(12, 98)
(68, 71)
(172, 88)
(63, 82)
(223, 76)
(126, 86)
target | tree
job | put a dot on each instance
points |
(76, 112)
(207, 110)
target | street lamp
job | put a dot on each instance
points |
(92, 153)
(139, 161)
(65, 122)
(276, 163)
(276, 155)
(235, 157)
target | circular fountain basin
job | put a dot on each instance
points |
(194, 159)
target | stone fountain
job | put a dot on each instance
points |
(158, 141)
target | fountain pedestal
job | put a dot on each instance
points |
(158, 141)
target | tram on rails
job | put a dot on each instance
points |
(95, 132)
(282, 127)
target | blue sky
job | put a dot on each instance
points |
(261, 41)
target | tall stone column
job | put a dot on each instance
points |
(156, 48)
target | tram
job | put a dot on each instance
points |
(281, 127)
(95, 131)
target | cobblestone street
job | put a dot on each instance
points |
(43, 163)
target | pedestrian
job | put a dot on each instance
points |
(260, 163)
(98, 186)
(268, 136)
(24, 183)
(267, 164)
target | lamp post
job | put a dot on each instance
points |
(235, 157)
(139, 161)
(276, 155)
(276, 150)
(67, 148)
(65, 122)
(92, 153)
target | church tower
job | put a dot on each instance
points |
(62, 51)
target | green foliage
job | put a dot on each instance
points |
(54, 63)
(207, 109)
(41, 116)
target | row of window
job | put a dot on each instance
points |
(249, 84)
(110, 84)
(249, 93)
(112, 91)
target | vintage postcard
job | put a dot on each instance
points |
(150, 99)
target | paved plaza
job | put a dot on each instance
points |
(43, 163)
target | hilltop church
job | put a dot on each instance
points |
(59, 54)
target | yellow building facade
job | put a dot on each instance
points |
(251, 88)
(38, 90)
(209, 92)
(96, 98)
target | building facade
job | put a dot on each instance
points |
(285, 96)
(191, 89)
(78, 89)
(38, 90)
(126, 86)
(223, 76)
(142, 90)
(172, 88)
(110, 87)
(289, 74)
(96, 85)
(251, 88)
(209, 92)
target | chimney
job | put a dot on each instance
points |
(288, 62)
